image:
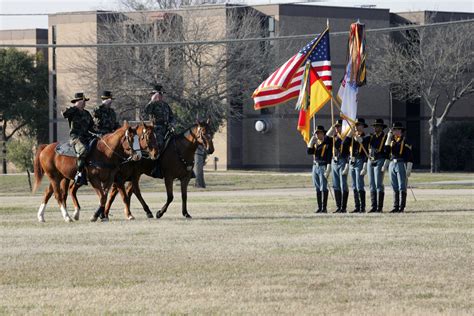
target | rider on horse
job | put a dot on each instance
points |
(81, 127)
(104, 115)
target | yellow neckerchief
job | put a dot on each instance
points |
(352, 144)
(319, 142)
(396, 140)
(381, 143)
(340, 147)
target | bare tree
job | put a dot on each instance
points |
(432, 64)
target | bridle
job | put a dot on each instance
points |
(133, 147)
(145, 153)
(201, 137)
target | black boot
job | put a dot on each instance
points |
(356, 202)
(362, 201)
(403, 201)
(396, 202)
(325, 202)
(345, 197)
(373, 201)
(80, 178)
(338, 197)
(381, 198)
(319, 199)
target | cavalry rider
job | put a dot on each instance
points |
(340, 165)
(320, 147)
(401, 163)
(358, 164)
(104, 115)
(81, 131)
(377, 165)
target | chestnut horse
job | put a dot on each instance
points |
(110, 151)
(176, 162)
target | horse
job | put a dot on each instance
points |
(109, 152)
(176, 161)
(150, 146)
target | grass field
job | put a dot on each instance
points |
(246, 251)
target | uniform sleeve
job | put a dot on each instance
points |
(146, 112)
(365, 144)
(91, 124)
(69, 112)
(385, 149)
(329, 151)
(310, 150)
(408, 153)
(172, 118)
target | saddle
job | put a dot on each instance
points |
(66, 149)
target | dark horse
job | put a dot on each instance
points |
(176, 162)
(110, 151)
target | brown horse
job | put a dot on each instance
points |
(110, 151)
(176, 162)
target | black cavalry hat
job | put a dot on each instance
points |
(338, 123)
(398, 125)
(79, 96)
(158, 88)
(106, 95)
(379, 122)
(320, 128)
(360, 121)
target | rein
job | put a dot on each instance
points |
(124, 159)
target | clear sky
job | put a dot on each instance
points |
(52, 6)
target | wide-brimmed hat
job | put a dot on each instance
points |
(398, 125)
(79, 96)
(360, 121)
(107, 95)
(379, 122)
(158, 88)
(338, 123)
(320, 128)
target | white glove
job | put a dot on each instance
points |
(363, 172)
(385, 165)
(389, 138)
(409, 166)
(312, 141)
(328, 170)
(345, 171)
(359, 139)
(331, 131)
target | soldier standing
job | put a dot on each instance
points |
(401, 163)
(377, 165)
(358, 164)
(320, 147)
(340, 165)
(104, 116)
(81, 125)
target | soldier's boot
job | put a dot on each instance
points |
(356, 202)
(345, 197)
(362, 201)
(338, 197)
(373, 202)
(396, 202)
(325, 201)
(319, 199)
(380, 202)
(403, 201)
(81, 177)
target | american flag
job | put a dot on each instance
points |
(285, 83)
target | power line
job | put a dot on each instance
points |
(226, 41)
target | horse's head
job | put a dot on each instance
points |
(203, 135)
(130, 142)
(147, 140)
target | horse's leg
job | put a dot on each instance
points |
(169, 193)
(134, 187)
(125, 199)
(77, 207)
(96, 184)
(47, 195)
(63, 187)
(184, 196)
(110, 200)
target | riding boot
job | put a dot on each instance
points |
(156, 172)
(380, 204)
(356, 202)
(319, 199)
(396, 202)
(80, 178)
(345, 197)
(373, 201)
(403, 201)
(362, 201)
(325, 201)
(338, 197)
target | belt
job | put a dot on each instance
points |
(395, 160)
(322, 163)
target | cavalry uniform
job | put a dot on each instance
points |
(340, 168)
(321, 151)
(401, 162)
(105, 117)
(377, 166)
(81, 125)
(358, 167)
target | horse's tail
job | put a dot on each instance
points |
(39, 172)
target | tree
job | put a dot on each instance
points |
(23, 96)
(431, 64)
(20, 152)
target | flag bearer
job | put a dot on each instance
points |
(358, 164)
(377, 165)
(340, 165)
(320, 147)
(401, 163)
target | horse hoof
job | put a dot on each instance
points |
(68, 219)
(104, 219)
(159, 214)
(131, 218)
(76, 217)
(149, 215)
(93, 218)
(187, 216)
(41, 219)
